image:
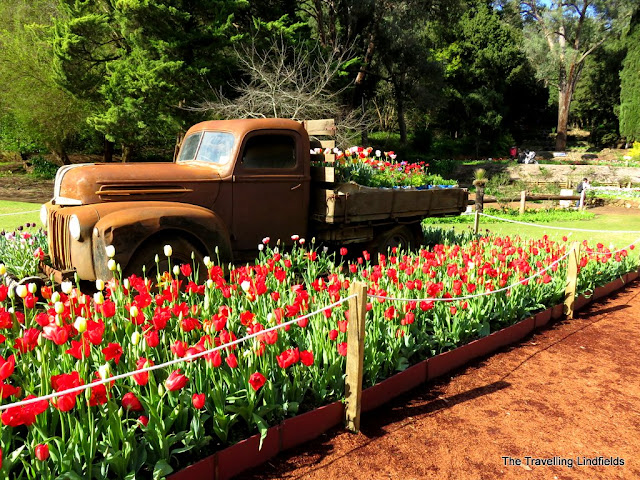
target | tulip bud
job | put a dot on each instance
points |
(80, 324)
(32, 287)
(260, 247)
(135, 338)
(98, 298)
(209, 283)
(120, 412)
(87, 394)
(99, 284)
(168, 251)
(126, 284)
(66, 287)
(38, 352)
(160, 389)
(58, 307)
(156, 258)
(217, 250)
(111, 265)
(111, 251)
(133, 311)
(55, 297)
(3, 269)
(207, 262)
(21, 291)
(104, 371)
(176, 270)
(58, 320)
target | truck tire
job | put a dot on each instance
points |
(182, 249)
(401, 235)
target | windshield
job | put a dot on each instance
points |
(211, 147)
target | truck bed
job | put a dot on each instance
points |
(352, 203)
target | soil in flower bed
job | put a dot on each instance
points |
(566, 392)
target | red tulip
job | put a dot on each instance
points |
(257, 380)
(185, 268)
(342, 349)
(288, 357)
(144, 420)
(112, 351)
(231, 360)
(131, 403)
(306, 357)
(142, 378)
(176, 381)
(6, 367)
(198, 400)
(42, 452)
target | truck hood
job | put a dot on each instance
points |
(97, 183)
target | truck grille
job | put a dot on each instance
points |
(59, 240)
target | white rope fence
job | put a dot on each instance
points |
(18, 213)
(175, 361)
(508, 220)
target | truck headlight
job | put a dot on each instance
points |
(44, 215)
(74, 227)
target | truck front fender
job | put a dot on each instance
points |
(128, 227)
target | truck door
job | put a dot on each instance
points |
(270, 189)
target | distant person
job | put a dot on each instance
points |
(582, 186)
(513, 152)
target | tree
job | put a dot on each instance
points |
(630, 83)
(596, 99)
(560, 37)
(30, 95)
(137, 60)
(488, 79)
(285, 81)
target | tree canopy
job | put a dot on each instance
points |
(447, 77)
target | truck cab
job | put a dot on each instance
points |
(232, 183)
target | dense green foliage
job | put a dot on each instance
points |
(630, 84)
(428, 79)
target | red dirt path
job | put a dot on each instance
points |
(570, 390)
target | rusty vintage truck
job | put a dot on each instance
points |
(231, 184)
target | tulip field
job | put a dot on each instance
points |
(219, 388)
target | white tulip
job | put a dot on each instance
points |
(111, 251)
(80, 324)
(66, 287)
(99, 284)
(168, 251)
(21, 291)
(111, 265)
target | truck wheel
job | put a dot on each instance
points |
(146, 254)
(401, 235)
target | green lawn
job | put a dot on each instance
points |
(604, 223)
(14, 214)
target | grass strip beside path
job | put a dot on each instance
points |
(14, 214)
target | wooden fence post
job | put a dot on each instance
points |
(355, 355)
(523, 201)
(476, 222)
(572, 279)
